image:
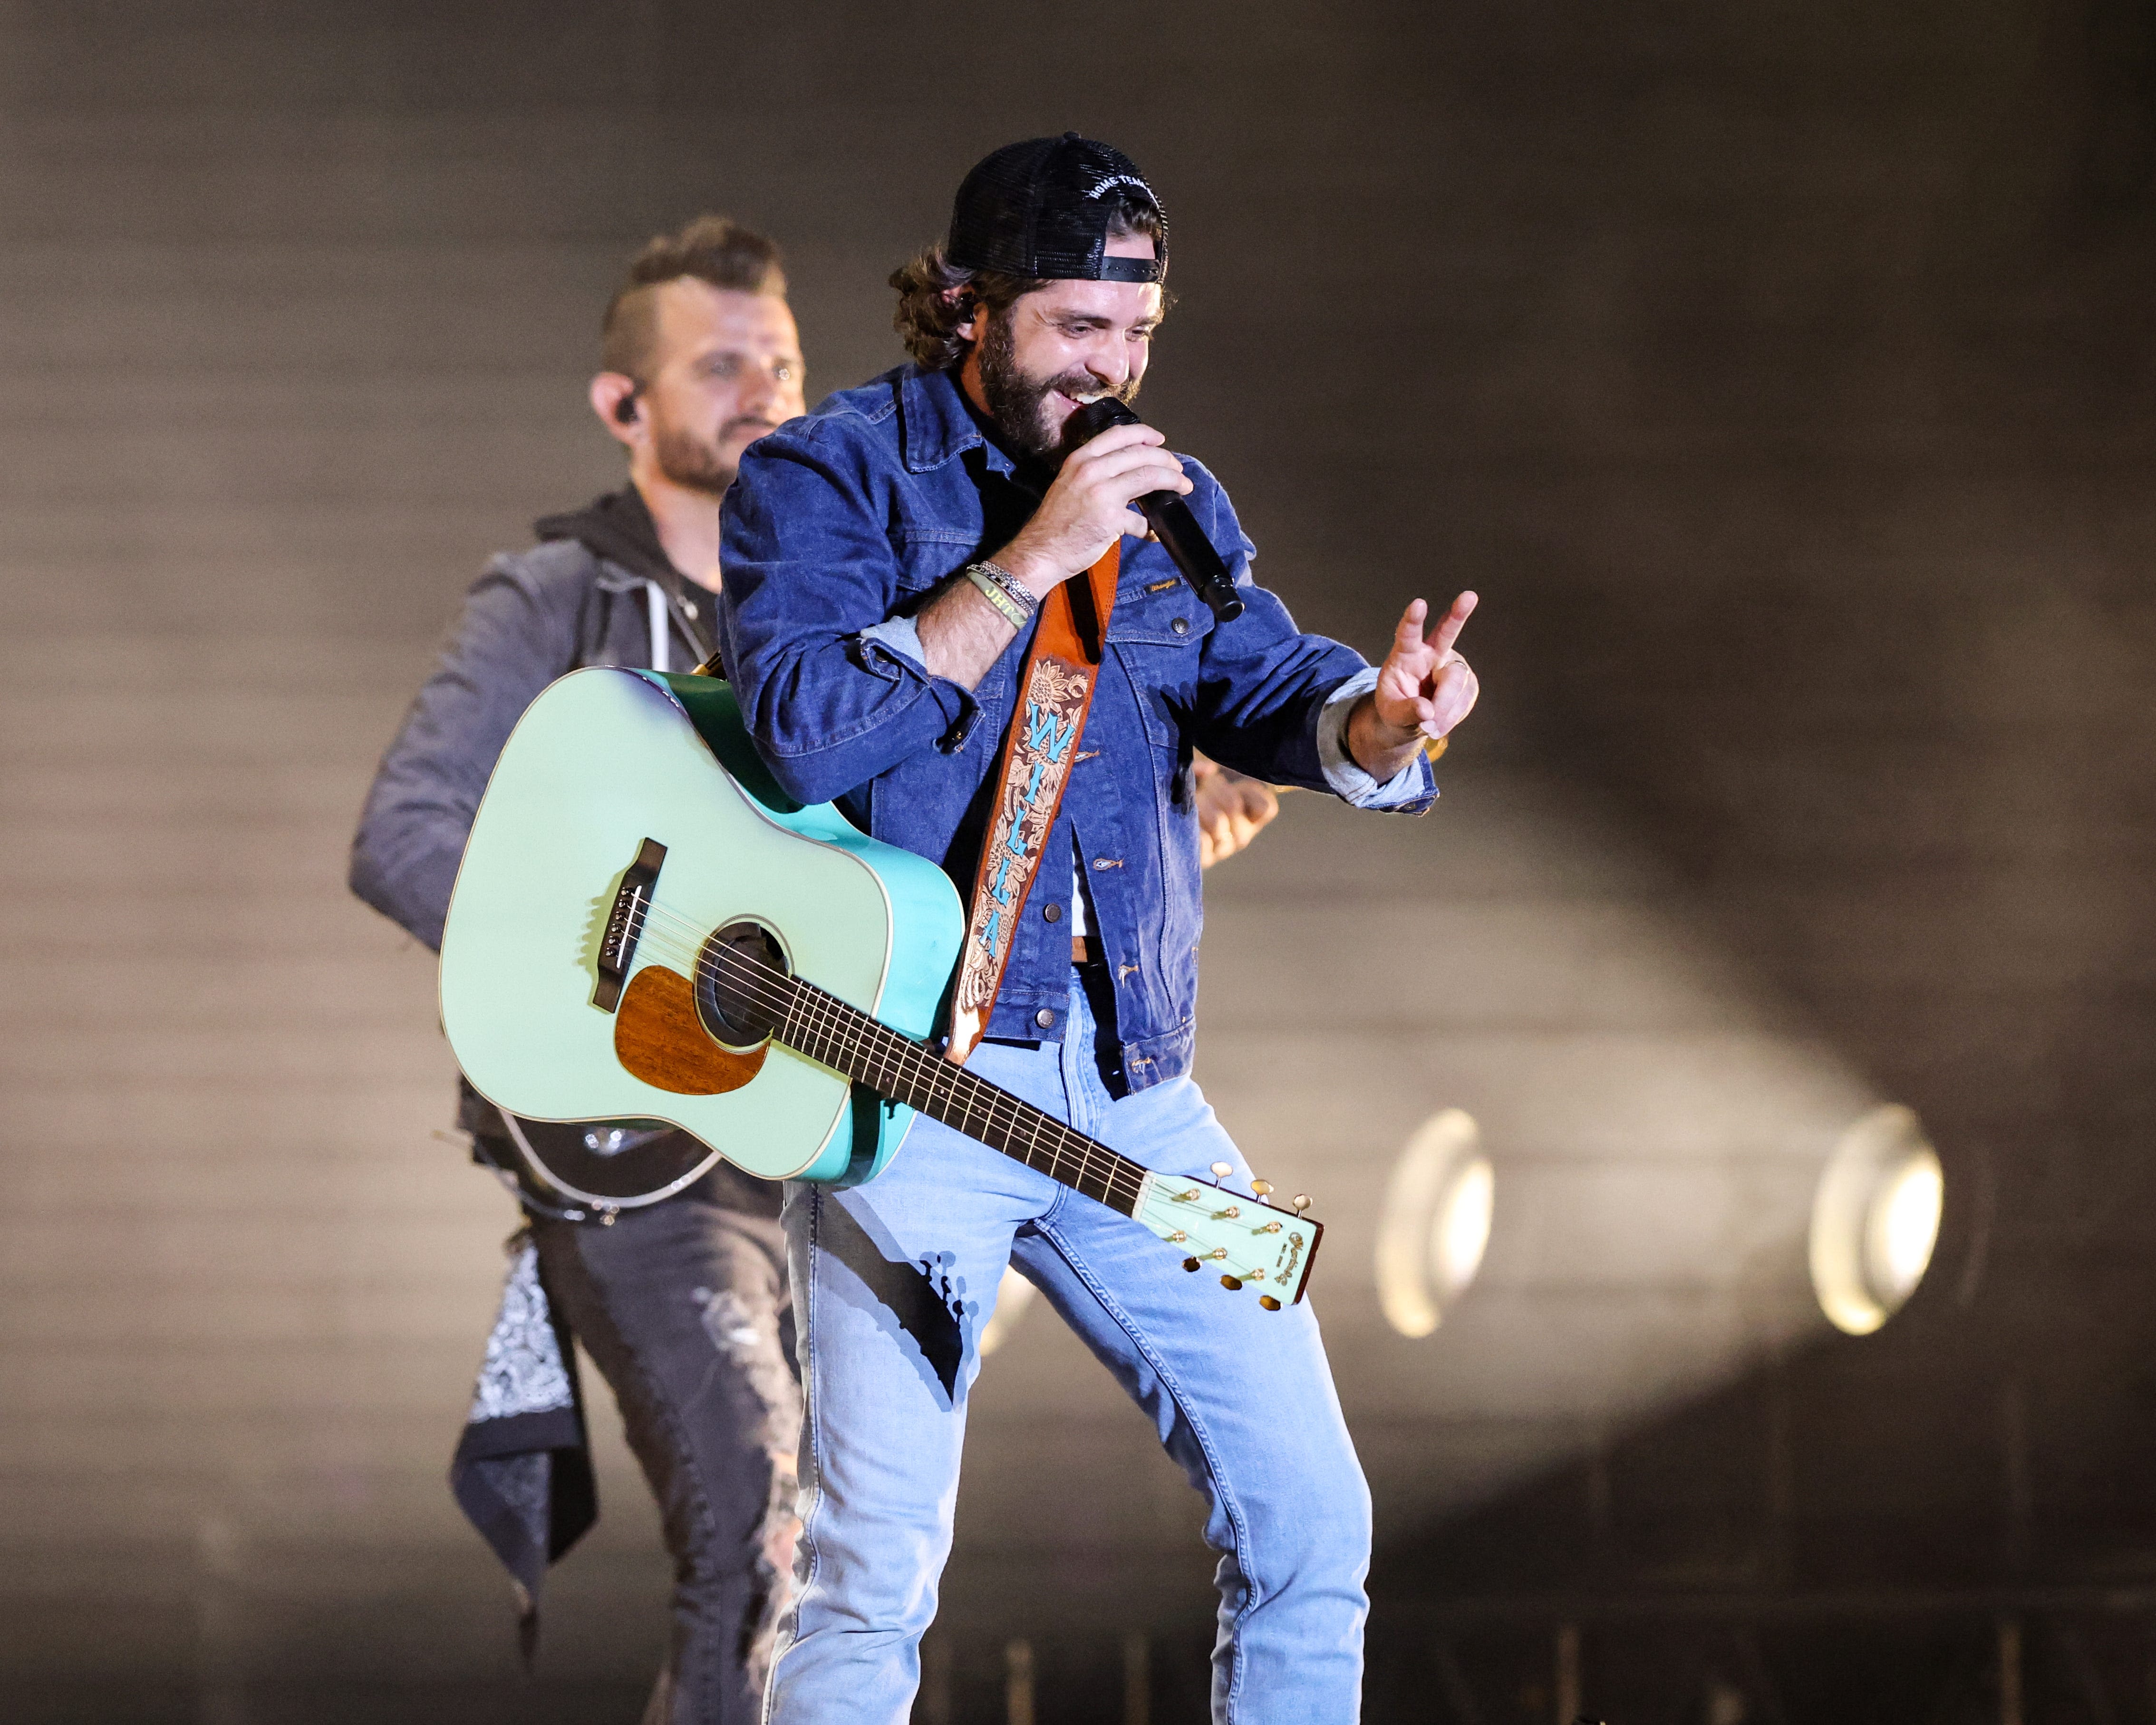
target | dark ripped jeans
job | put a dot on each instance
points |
(683, 1306)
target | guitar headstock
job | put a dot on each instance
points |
(1247, 1242)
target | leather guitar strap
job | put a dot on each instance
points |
(1054, 692)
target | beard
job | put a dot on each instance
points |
(1018, 403)
(690, 461)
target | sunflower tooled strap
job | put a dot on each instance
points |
(1054, 690)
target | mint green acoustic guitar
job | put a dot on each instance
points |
(647, 932)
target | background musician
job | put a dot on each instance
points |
(681, 1304)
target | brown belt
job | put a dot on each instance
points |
(1083, 952)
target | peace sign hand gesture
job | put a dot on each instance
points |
(1424, 688)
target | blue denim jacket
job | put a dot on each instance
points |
(856, 515)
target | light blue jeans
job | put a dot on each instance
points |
(893, 1283)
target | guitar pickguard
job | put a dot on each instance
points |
(659, 1038)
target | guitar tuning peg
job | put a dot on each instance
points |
(1261, 1187)
(1300, 1201)
(1269, 1303)
(1233, 1284)
(1221, 1170)
(1190, 1263)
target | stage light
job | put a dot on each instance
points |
(1436, 1221)
(1014, 1295)
(1875, 1219)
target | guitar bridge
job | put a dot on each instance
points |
(624, 924)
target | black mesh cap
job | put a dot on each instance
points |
(1039, 209)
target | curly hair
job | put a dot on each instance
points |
(712, 249)
(936, 295)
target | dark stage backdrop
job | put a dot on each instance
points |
(1780, 374)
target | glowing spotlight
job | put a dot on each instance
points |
(1875, 1219)
(1436, 1221)
(1014, 1295)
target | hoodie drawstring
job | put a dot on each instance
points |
(661, 660)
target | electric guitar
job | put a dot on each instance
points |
(647, 932)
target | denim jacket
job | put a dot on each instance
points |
(854, 517)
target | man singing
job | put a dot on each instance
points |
(895, 564)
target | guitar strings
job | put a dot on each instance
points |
(822, 1025)
(827, 1020)
(913, 1065)
(898, 1055)
(1000, 1111)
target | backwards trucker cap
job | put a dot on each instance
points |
(1039, 209)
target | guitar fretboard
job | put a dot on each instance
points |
(833, 1034)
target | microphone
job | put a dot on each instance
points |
(1169, 515)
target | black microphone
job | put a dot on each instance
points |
(1167, 515)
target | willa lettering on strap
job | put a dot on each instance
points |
(1054, 691)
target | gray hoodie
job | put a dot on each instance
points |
(597, 590)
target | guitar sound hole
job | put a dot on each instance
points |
(739, 985)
